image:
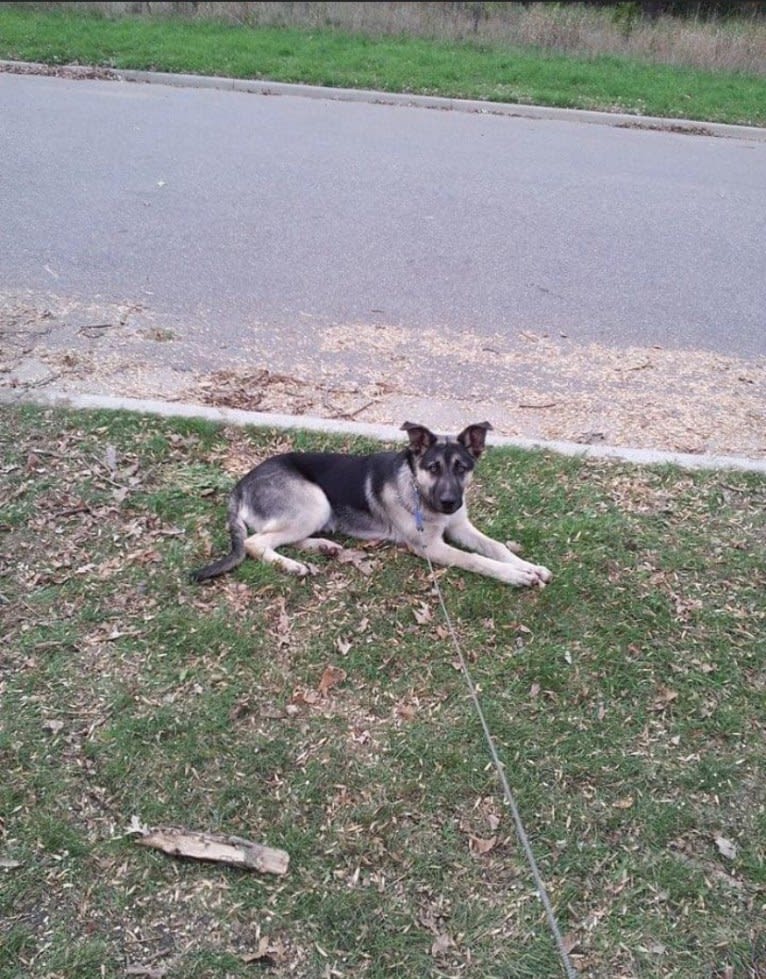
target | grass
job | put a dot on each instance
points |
(475, 70)
(626, 700)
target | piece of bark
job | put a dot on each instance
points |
(222, 849)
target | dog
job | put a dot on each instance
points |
(414, 497)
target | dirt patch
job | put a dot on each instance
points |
(84, 72)
(528, 384)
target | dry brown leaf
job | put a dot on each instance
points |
(332, 676)
(570, 941)
(241, 709)
(405, 711)
(441, 944)
(479, 846)
(308, 697)
(265, 955)
(357, 559)
(626, 803)
(423, 614)
(665, 697)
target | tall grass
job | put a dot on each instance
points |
(732, 44)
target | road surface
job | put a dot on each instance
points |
(534, 267)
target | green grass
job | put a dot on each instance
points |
(626, 700)
(400, 64)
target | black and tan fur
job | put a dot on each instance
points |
(290, 498)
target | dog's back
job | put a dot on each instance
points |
(344, 479)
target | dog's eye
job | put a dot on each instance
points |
(434, 468)
(460, 468)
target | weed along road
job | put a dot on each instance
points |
(371, 258)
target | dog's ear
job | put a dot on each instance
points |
(421, 438)
(473, 438)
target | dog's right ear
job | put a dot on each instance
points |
(421, 438)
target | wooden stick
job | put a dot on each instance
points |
(221, 849)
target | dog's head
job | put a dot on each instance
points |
(443, 466)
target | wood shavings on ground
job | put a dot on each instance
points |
(527, 383)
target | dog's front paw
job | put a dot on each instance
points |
(526, 575)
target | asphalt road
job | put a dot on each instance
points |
(233, 211)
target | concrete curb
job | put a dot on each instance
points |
(383, 433)
(373, 97)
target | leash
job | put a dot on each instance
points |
(521, 833)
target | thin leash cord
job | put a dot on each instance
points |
(509, 798)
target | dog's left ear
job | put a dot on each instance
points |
(421, 438)
(473, 438)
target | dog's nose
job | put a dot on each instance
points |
(449, 503)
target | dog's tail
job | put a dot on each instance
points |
(234, 558)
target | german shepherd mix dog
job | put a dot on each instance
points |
(414, 497)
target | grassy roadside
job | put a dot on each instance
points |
(627, 700)
(404, 64)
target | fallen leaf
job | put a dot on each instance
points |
(665, 697)
(308, 697)
(626, 803)
(570, 941)
(479, 846)
(726, 848)
(405, 711)
(423, 614)
(332, 676)
(242, 708)
(441, 944)
(149, 556)
(356, 558)
(263, 956)
(53, 726)
(136, 826)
